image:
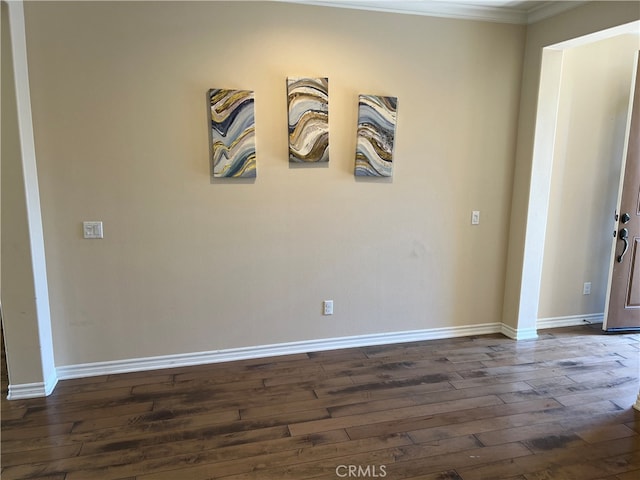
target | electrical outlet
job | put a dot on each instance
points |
(586, 289)
(327, 307)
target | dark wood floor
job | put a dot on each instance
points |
(469, 408)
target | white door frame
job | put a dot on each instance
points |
(542, 163)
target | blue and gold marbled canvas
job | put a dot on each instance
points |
(233, 145)
(376, 135)
(308, 101)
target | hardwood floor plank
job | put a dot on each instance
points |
(242, 400)
(99, 395)
(390, 365)
(589, 470)
(181, 457)
(387, 389)
(13, 414)
(41, 455)
(590, 427)
(25, 445)
(75, 413)
(533, 464)
(184, 418)
(214, 389)
(116, 439)
(606, 433)
(392, 414)
(631, 475)
(448, 475)
(29, 433)
(525, 375)
(424, 392)
(421, 399)
(540, 416)
(118, 381)
(339, 355)
(469, 421)
(288, 462)
(102, 455)
(406, 467)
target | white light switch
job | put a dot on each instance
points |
(92, 229)
(475, 217)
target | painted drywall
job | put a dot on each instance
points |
(592, 116)
(531, 178)
(186, 265)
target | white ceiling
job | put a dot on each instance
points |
(506, 11)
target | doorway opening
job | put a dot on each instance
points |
(569, 211)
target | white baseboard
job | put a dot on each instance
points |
(518, 334)
(228, 355)
(26, 390)
(569, 321)
(32, 390)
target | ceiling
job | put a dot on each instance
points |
(505, 11)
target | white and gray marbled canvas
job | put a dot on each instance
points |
(376, 135)
(308, 105)
(233, 145)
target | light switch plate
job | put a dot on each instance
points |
(92, 230)
(475, 217)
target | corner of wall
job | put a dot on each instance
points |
(519, 333)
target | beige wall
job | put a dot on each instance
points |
(592, 117)
(118, 93)
(527, 227)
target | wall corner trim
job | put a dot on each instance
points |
(265, 351)
(520, 333)
(18, 34)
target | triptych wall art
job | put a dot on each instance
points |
(232, 127)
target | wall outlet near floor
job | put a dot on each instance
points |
(327, 307)
(586, 289)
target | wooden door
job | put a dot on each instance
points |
(623, 300)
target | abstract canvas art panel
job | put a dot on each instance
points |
(233, 141)
(308, 103)
(376, 135)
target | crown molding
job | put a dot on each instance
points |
(550, 9)
(487, 11)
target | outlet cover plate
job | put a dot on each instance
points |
(327, 307)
